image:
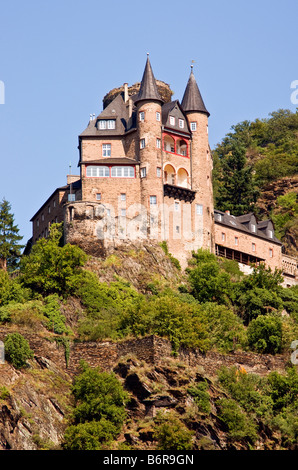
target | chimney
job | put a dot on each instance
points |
(227, 212)
(125, 92)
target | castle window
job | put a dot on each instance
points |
(153, 200)
(253, 247)
(122, 172)
(123, 212)
(223, 237)
(181, 123)
(158, 143)
(142, 116)
(143, 172)
(270, 234)
(142, 143)
(236, 240)
(199, 209)
(97, 171)
(158, 116)
(270, 253)
(98, 196)
(102, 124)
(172, 120)
(176, 206)
(123, 197)
(71, 197)
(193, 126)
(158, 172)
(111, 123)
(106, 150)
(253, 228)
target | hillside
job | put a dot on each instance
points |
(192, 360)
(268, 172)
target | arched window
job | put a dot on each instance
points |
(181, 147)
(182, 178)
(169, 174)
(169, 144)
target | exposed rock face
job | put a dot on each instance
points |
(32, 416)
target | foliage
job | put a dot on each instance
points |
(201, 396)
(240, 426)
(235, 185)
(55, 320)
(93, 435)
(17, 350)
(99, 410)
(50, 268)
(11, 290)
(24, 314)
(168, 317)
(98, 395)
(208, 281)
(174, 260)
(171, 433)
(265, 334)
(10, 249)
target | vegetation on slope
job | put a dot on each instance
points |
(249, 159)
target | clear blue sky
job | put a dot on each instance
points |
(59, 58)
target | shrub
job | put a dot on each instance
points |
(55, 320)
(265, 334)
(201, 396)
(17, 350)
(240, 426)
(29, 313)
(92, 435)
(171, 433)
(98, 395)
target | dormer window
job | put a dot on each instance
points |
(270, 234)
(181, 123)
(106, 124)
(172, 120)
(253, 228)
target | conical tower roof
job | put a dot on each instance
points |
(192, 99)
(148, 89)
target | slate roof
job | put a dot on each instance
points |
(237, 223)
(192, 99)
(112, 161)
(173, 108)
(148, 89)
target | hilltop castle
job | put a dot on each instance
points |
(146, 173)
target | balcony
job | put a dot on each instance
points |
(178, 192)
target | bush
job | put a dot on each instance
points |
(98, 395)
(55, 320)
(92, 435)
(265, 334)
(17, 350)
(240, 426)
(201, 396)
(171, 433)
(25, 314)
(51, 268)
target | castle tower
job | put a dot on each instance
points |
(148, 117)
(201, 165)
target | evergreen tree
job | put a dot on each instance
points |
(235, 190)
(10, 250)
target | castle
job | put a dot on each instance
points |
(146, 174)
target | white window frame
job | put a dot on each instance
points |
(158, 172)
(253, 228)
(236, 241)
(172, 120)
(98, 196)
(143, 172)
(199, 209)
(123, 197)
(158, 143)
(111, 123)
(223, 237)
(94, 171)
(142, 143)
(102, 124)
(142, 116)
(122, 172)
(253, 247)
(153, 200)
(106, 150)
(157, 116)
(193, 126)
(181, 123)
(270, 253)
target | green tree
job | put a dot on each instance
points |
(17, 350)
(10, 249)
(265, 334)
(51, 268)
(235, 191)
(171, 433)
